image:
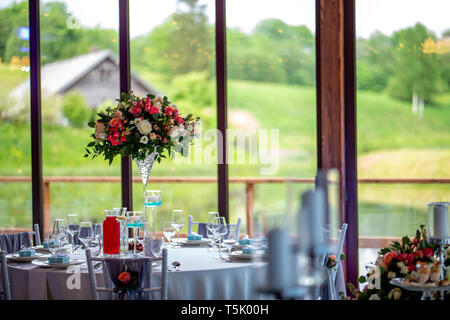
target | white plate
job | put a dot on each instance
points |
(245, 256)
(46, 264)
(194, 242)
(14, 257)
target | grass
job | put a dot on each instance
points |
(392, 142)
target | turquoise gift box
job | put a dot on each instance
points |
(244, 242)
(60, 258)
(50, 243)
(248, 250)
(29, 252)
(194, 237)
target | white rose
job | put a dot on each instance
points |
(400, 265)
(391, 275)
(174, 132)
(144, 140)
(144, 126)
(375, 297)
(160, 99)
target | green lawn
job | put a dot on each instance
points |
(392, 142)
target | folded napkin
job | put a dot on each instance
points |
(28, 252)
(60, 258)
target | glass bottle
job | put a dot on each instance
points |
(111, 233)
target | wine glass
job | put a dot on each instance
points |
(98, 232)
(231, 240)
(220, 229)
(72, 227)
(53, 244)
(168, 231)
(59, 231)
(86, 233)
(177, 224)
(210, 232)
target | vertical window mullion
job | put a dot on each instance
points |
(221, 78)
(124, 53)
(35, 114)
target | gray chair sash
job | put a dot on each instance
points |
(13, 242)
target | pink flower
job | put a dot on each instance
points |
(428, 252)
(152, 136)
(136, 110)
(115, 123)
(153, 110)
(179, 120)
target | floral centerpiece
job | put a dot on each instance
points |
(408, 259)
(143, 128)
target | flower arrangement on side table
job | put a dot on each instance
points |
(413, 260)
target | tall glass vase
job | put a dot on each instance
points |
(145, 166)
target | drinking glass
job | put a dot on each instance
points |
(152, 199)
(157, 246)
(177, 224)
(72, 227)
(53, 244)
(168, 231)
(143, 234)
(59, 231)
(210, 231)
(135, 221)
(86, 233)
(231, 240)
(98, 232)
(220, 230)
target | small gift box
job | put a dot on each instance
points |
(194, 236)
(248, 250)
(50, 243)
(29, 252)
(244, 242)
(60, 258)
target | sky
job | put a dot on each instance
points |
(383, 15)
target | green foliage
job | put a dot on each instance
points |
(414, 70)
(75, 109)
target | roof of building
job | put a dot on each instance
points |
(59, 76)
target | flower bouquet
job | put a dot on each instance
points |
(142, 128)
(408, 260)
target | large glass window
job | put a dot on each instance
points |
(80, 76)
(403, 101)
(15, 141)
(173, 54)
(271, 104)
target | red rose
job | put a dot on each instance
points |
(179, 120)
(428, 252)
(124, 277)
(115, 123)
(169, 111)
(412, 267)
(388, 257)
(410, 258)
(419, 254)
(153, 110)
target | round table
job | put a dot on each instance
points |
(201, 276)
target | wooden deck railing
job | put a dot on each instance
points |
(250, 182)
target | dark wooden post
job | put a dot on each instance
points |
(124, 43)
(221, 75)
(35, 114)
(336, 121)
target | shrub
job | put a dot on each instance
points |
(75, 109)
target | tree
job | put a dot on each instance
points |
(414, 72)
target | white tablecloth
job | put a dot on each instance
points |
(202, 276)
